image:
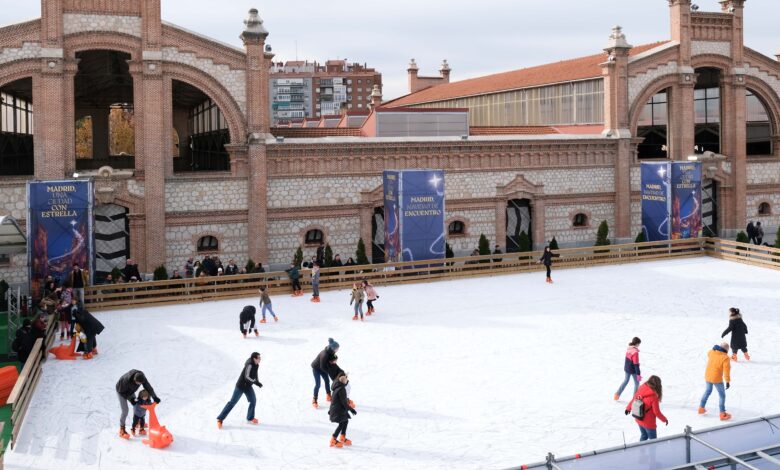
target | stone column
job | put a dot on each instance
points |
(501, 224)
(257, 120)
(738, 149)
(366, 216)
(683, 122)
(538, 220)
(69, 115)
(50, 125)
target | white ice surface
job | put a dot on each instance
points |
(482, 373)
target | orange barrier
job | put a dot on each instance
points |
(8, 378)
(65, 352)
(159, 436)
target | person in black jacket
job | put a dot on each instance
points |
(738, 330)
(91, 327)
(244, 384)
(24, 342)
(321, 254)
(125, 390)
(246, 320)
(339, 412)
(320, 367)
(130, 271)
(546, 259)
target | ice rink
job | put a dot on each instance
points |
(489, 372)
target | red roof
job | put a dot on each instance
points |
(512, 130)
(568, 70)
(300, 132)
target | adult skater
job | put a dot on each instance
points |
(546, 259)
(370, 296)
(718, 371)
(246, 320)
(738, 330)
(339, 412)
(631, 367)
(244, 384)
(125, 390)
(295, 276)
(315, 282)
(320, 367)
(650, 394)
(91, 327)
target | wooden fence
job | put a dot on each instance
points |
(156, 293)
(28, 379)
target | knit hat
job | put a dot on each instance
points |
(332, 344)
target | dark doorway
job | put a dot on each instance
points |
(518, 225)
(16, 129)
(378, 236)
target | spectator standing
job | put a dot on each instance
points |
(759, 233)
(130, 271)
(78, 279)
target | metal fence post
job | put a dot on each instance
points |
(688, 432)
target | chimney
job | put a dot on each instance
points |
(444, 71)
(412, 74)
(376, 97)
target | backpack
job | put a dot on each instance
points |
(638, 408)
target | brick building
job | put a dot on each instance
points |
(208, 175)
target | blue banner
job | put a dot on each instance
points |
(414, 215)
(686, 200)
(59, 230)
(655, 200)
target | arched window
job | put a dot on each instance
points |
(456, 228)
(208, 243)
(652, 126)
(759, 129)
(314, 237)
(580, 220)
(764, 209)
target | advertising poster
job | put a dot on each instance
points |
(656, 203)
(686, 200)
(59, 230)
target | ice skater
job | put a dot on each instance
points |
(139, 413)
(125, 390)
(718, 371)
(315, 282)
(631, 367)
(370, 296)
(295, 275)
(738, 330)
(648, 398)
(265, 304)
(357, 298)
(91, 327)
(320, 368)
(334, 371)
(546, 259)
(244, 384)
(246, 320)
(339, 412)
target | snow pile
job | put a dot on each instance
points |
(479, 373)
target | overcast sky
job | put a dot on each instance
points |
(476, 37)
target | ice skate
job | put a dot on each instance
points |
(314, 404)
(702, 410)
(123, 433)
(277, 318)
(361, 317)
(87, 356)
(335, 443)
(747, 356)
(734, 357)
(263, 320)
(327, 397)
(344, 441)
(257, 333)
(244, 335)
(219, 424)
(355, 317)
(133, 431)
(252, 421)
(725, 416)
(616, 397)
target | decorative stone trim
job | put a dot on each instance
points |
(75, 23)
(29, 50)
(711, 47)
(638, 83)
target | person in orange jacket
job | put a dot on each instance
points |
(651, 393)
(718, 371)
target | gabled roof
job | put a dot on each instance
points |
(565, 71)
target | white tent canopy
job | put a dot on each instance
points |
(12, 239)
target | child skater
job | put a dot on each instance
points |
(139, 413)
(631, 367)
(339, 412)
(738, 330)
(265, 304)
(246, 320)
(546, 259)
(357, 297)
(315, 282)
(65, 318)
(370, 296)
(295, 276)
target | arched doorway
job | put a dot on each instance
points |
(112, 239)
(16, 129)
(518, 225)
(201, 128)
(378, 236)
(104, 112)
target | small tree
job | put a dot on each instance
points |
(448, 253)
(640, 238)
(602, 234)
(484, 247)
(298, 258)
(160, 274)
(553, 244)
(116, 274)
(328, 256)
(360, 254)
(742, 238)
(250, 266)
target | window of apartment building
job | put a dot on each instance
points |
(349, 106)
(360, 81)
(360, 90)
(368, 81)
(360, 98)
(360, 105)
(652, 126)
(349, 82)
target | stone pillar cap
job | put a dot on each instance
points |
(617, 40)
(445, 65)
(412, 65)
(254, 25)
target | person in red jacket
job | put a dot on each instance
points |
(651, 393)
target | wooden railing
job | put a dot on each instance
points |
(756, 255)
(155, 293)
(28, 379)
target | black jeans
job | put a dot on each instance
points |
(296, 285)
(370, 304)
(548, 269)
(139, 421)
(251, 324)
(341, 429)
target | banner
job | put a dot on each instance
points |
(414, 215)
(59, 230)
(655, 201)
(686, 200)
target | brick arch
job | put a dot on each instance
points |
(768, 97)
(102, 41)
(18, 70)
(457, 218)
(214, 90)
(208, 233)
(713, 61)
(664, 82)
